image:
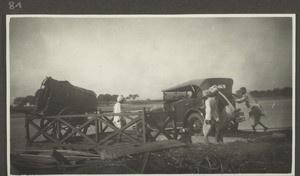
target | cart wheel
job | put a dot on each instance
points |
(74, 121)
(51, 130)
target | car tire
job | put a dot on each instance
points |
(233, 127)
(195, 123)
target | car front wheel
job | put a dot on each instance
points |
(195, 123)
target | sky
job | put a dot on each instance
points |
(138, 55)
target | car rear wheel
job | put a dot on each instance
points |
(195, 123)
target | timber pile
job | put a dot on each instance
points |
(50, 159)
(62, 160)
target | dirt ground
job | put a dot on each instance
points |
(237, 157)
(262, 157)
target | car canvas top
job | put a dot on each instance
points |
(225, 85)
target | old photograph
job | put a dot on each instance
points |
(151, 94)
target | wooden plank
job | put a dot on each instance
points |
(66, 153)
(58, 131)
(79, 146)
(39, 159)
(118, 145)
(201, 140)
(87, 115)
(101, 128)
(97, 130)
(145, 161)
(27, 135)
(144, 126)
(128, 117)
(121, 114)
(148, 147)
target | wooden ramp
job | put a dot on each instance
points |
(246, 136)
(118, 151)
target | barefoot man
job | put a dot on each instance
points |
(256, 110)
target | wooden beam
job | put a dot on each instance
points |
(27, 135)
(75, 146)
(58, 131)
(120, 114)
(39, 129)
(101, 127)
(145, 161)
(142, 148)
(97, 129)
(77, 130)
(108, 120)
(119, 131)
(47, 152)
(47, 157)
(128, 117)
(144, 126)
(89, 115)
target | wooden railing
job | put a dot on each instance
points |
(60, 130)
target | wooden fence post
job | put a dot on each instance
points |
(97, 130)
(99, 121)
(27, 135)
(144, 126)
(58, 130)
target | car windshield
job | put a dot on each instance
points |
(175, 96)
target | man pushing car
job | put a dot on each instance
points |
(215, 118)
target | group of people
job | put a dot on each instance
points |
(216, 116)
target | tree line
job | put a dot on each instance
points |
(102, 98)
(107, 98)
(285, 92)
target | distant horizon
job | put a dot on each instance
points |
(160, 98)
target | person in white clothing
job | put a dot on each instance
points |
(119, 121)
(214, 117)
(256, 110)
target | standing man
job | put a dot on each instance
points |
(256, 110)
(212, 116)
(119, 121)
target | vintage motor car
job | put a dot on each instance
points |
(187, 103)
